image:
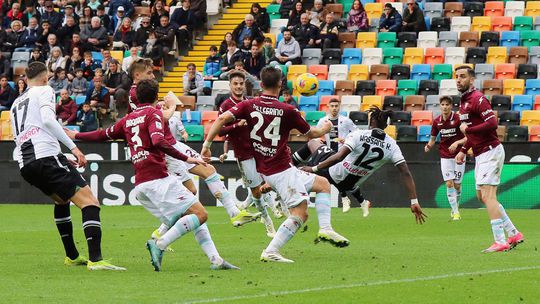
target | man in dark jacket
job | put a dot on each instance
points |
(142, 32)
(65, 33)
(413, 18)
(118, 83)
(94, 35)
(55, 18)
(183, 20)
(128, 7)
(105, 19)
(390, 20)
(247, 28)
(30, 36)
(305, 33)
(5, 91)
(254, 63)
(165, 34)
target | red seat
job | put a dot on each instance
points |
(505, 71)
(386, 87)
(501, 24)
(534, 133)
(320, 71)
(494, 8)
(537, 103)
(323, 103)
(434, 56)
(421, 118)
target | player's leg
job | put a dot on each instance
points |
(459, 171)
(190, 220)
(449, 174)
(203, 237)
(62, 218)
(304, 153)
(364, 203)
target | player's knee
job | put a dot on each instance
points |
(457, 186)
(449, 184)
(202, 215)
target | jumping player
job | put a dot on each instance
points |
(479, 124)
(447, 124)
(37, 134)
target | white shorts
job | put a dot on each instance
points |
(488, 167)
(451, 170)
(179, 168)
(165, 198)
(248, 169)
(293, 185)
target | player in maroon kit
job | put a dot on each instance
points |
(269, 122)
(447, 124)
(479, 124)
(160, 193)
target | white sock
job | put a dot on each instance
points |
(184, 225)
(509, 227)
(260, 206)
(203, 237)
(498, 231)
(324, 211)
(163, 229)
(221, 193)
(458, 197)
(452, 199)
(285, 232)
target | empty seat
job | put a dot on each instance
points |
(414, 103)
(484, 71)
(508, 118)
(406, 133)
(326, 87)
(536, 105)
(496, 55)
(452, 9)
(194, 118)
(434, 56)
(534, 133)
(501, 24)
(195, 132)
(373, 10)
(523, 23)
(532, 87)
(311, 56)
(448, 39)
(359, 72)
(527, 71)
(413, 56)
(468, 39)
(372, 56)
(385, 87)
(366, 40)
(421, 71)
(432, 104)
(358, 118)
(331, 56)
(209, 117)
(492, 87)
(501, 102)
(476, 55)
(510, 39)
(522, 102)
(427, 39)
(346, 40)
(386, 39)
(530, 118)
(440, 24)
(394, 103)
(392, 56)
(344, 87)
(433, 9)
(530, 38)
(371, 101)
(365, 87)
(454, 55)
(420, 118)
(320, 71)
(313, 117)
(424, 133)
(532, 8)
(481, 24)
(294, 71)
(518, 55)
(448, 87)
(205, 103)
(220, 87)
(407, 39)
(460, 24)
(428, 87)
(534, 55)
(407, 87)
(401, 118)
(308, 103)
(517, 134)
(494, 8)
(338, 72)
(489, 39)
(442, 71)
(350, 103)
(400, 71)
(514, 9)
(379, 72)
(473, 9)
(351, 56)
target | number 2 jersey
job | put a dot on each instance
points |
(370, 149)
(32, 139)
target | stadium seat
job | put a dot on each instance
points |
(414, 103)
(365, 87)
(433, 105)
(522, 102)
(350, 103)
(532, 87)
(510, 39)
(452, 9)
(489, 39)
(434, 56)
(454, 55)
(532, 8)
(406, 39)
(448, 39)
(205, 103)
(517, 134)
(536, 105)
(320, 71)
(401, 118)
(427, 40)
(440, 24)
(277, 24)
(534, 55)
(400, 71)
(442, 71)
(428, 87)
(406, 133)
(367, 40)
(369, 101)
(358, 118)
(191, 118)
(20, 57)
(407, 87)
(523, 23)
(344, 87)
(492, 87)
(536, 25)
(296, 70)
(514, 9)
(496, 55)
(335, 8)
(372, 56)
(424, 133)
(501, 102)
(394, 103)
(518, 55)
(325, 100)
(420, 118)
(473, 9)
(331, 56)
(374, 25)
(509, 118)
(311, 56)
(448, 87)
(338, 72)
(484, 71)
(326, 87)
(195, 132)
(494, 8)
(373, 10)
(530, 118)
(208, 117)
(386, 39)
(530, 38)
(460, 24)
(346, 40)
(413, 56)
(391, 131)
(351, 56)
(476, 55)
(481, 24)
(358, 72)
(527, 71)
(420, 71)
(79, 100)
(534, 133)
(313, 117)
(392, 56)
(505, 71)
(385, 87)
(468, 39)
(308, 103)
(433, 9)
(188, 103)
(273, 11)
(379, 72)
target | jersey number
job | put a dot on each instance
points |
(360, 162)
(21, 106)
(135, 138)
(271, 132)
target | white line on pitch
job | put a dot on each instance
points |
(363, 284)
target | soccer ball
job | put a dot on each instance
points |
(307, 84)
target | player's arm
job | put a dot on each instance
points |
(225, 130)
(315, 132)
(169, 107)
(222, 119)
(332, 160)
(223, 156)
(408, 181)
(457, 143)
(489, 120)
(433, 138)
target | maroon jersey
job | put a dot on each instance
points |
(133, 102)
(236, 136)
(143, 131)
(475, 110)
(270, 122)
(450, 133)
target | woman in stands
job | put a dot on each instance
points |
(158, 10)
(294, 18)
(86, 17)
(19, 89)
(59, 81)
(317, 13)
(124, 35)
(13, 37)
(357, 20)
(56, 60)
(74, 61)
(225, 43)
(261, 17)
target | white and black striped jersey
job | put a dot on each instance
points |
(32, 139)
(370, 149)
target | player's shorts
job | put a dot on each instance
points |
(451, 170)
(54, 175)
(293, 185)
(166, 198)
(179, 168)
(248, 169)
(489, 166)
(320, 155)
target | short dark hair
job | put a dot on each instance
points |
(270, 77)
(3, 77)
(287, 30)
(238, 74)
(147, 91)
(388, 5)
(213, 48)
(35, 69)
(334, 100)
(446, 98)
(268, 39)
(470, 70)
(101, 7)
(191, 64)
(286, 91)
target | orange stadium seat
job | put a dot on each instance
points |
(537, 103)
(494, 8)
(505, 71)
(434, 56)
(501, 24)
(325, 100)
(534, 133)
(386, 87)
(320, 71)
(421, 118)
(209, 117)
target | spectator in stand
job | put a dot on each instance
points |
(142, 32)
(227, 61)
(294, 18)
(268, 50)
(285, 8)
(114, 5)
(288, 51)
(70, 12)
(86, 18)
(183, 19)
(59, 81)
(89, 65)
(79, 84)
(255, 62)
(19, 89)
(193, 81)
(262, 20)
(107, 58)
(52, 42)
(65, 33)
(306, 33)
(158, 10)
(43, 33)
(288, 98)
(105, 19)
(5, 65)
(413, 18)
(225, 43)
(93, 4)
(79, 7)
(30, 12)
(56, 60)
(124, 38)
(198, 7)
(74, 42)
(133, 56)
(318, 13)
(74, 62)
(3, 38)
(390, 19)
(118, 83)
(13, 37)
(30, 36)
(246, 47)
(5, 92)
(99, 98)
(357, 20)
(36, 56)
(66, 109)
(329, 32)
(248, 28)
(212, 64)
(55, 18)
(94, 36)
(13, 14)
(116, 20)
(152, 49)
(165, 34)
(86, 119)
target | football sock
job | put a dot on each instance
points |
(92, 231)
(322, 205)
(285, 232)
(203, 237)
(184, 225)
(498, 231)
(221, 193)
(458, 196)
(163, 228)
(452, 199)
(358, 195)
(301, 155)
(507, 223)
(260, 206)
(62, 218)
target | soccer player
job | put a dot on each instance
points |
(37, 134)
(160, 193)
(269, 122)
(363, 153)
(479, 124)
(451, 142)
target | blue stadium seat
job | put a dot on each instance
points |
(532, 87)
(195, 118)
(510, 38)
(97, 56)
(11, 84)
(424, 133)
(79, 100)
(351, 56)
(326, 87)
(309, 103)
(421, 72)
(208, 83)
(522, 103)
(73, 128)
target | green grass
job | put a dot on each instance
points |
(390, 260)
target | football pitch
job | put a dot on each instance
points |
(390, 260)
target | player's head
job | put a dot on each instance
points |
(237, 83)
(333, 107)
(446, 104)
(271, 80)
(147, 91)
(464, 78)
(36, 73)
(378, 118)
(141, 69)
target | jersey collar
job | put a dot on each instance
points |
(269, 99)
(236, 101)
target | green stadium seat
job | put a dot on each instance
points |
(407, 87)
(273, 11)
(392, 56)
(313, 117)
(441, 71)
(195, 132)
(530, 38)
(386, 39)
(523, 23)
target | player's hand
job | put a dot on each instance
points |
(265, 188)
(242, 123)
(453, 147)
(223, 157)
(196, 161)
(460, 158)
(81, 159)
(71, 133)
(463, 128)
(307, 169)
(185, 136)
(206, 154)
(327, 126)
(419, 215)
(427, 148)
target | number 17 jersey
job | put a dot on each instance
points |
(370, 149)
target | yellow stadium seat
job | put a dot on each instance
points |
(530, 118)
(391, 130)
(532, 8)
(118, 55)
(295, 71)
(413, 56)
(496, 55)
(4, 115)
(513, 86)
(358, 72)
(480, 24)
(366, 40)
(271, 36)
(369, 101)
(373, 10)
